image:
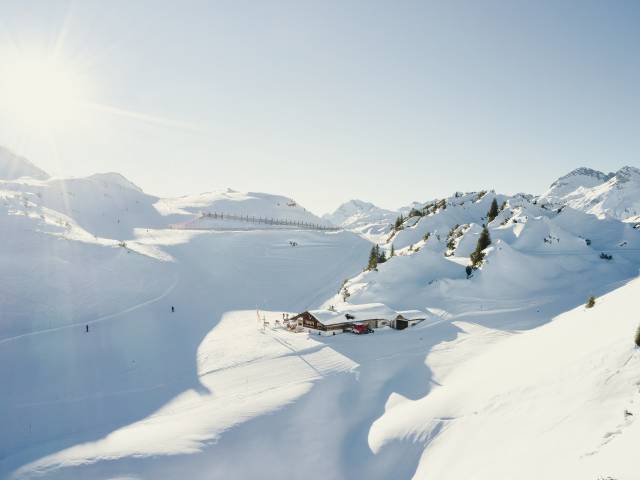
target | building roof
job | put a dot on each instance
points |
(360, 313)
(413, 314)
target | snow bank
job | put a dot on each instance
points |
(548, 403)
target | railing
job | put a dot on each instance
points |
(253, 219)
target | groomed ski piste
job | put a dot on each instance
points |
(510, 377)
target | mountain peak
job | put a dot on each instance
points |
(13, 166)
(627, 173)
(584, 172)
(355, 207)
(115, 178)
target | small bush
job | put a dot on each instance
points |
(591, 302)
(638, 336)
(345, 294)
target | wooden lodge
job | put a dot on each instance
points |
(374, 315)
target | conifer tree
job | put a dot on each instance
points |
(493, 211)
(393, 251)
(373, 258)
(380, 254)
(483, 242)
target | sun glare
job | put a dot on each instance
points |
(42, 92)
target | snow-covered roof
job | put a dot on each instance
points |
(328, 317)
(413, 314)
(360, 313)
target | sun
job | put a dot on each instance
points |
(41, 92)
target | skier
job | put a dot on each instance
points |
(86, 328)
(172, 309)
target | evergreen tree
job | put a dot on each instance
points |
(380, 254)
(399, 222)
(393, 251)
(493, 211)
(483, 242)
(373, 259)
(591, 302)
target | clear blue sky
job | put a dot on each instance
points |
(326, 101)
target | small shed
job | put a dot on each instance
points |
(408, 318)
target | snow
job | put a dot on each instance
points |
(365, 218)
(616, 195)
(509, 376)
(548, 403)
(229, 201)
(13, 167)
(579, 178)
(413, 314)
(360, 312)
(281, 367)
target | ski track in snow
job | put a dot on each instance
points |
(96, 320)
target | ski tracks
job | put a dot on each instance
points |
(99, 319)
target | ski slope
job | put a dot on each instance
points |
(508, 366)
(560, 401)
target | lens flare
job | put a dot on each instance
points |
(42, 92)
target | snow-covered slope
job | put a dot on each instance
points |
(579, 178)
(208, 391)
(237, 203)
(13, 166)
(105, 205)
(560, 401)
(96, 253)
(540, 261)
(619, 197)
(357, 213)
(368, 220)
(615, 195)
(364, 218)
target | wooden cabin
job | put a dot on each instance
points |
(375, 315)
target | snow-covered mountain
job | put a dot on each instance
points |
(230, 202)
(615, 195)
(13, 166)
(136, 336)
(368, 220)
(493, 392)
(365, 218)
(530, 245)
(579, 178)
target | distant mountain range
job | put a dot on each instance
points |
(615, 195)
